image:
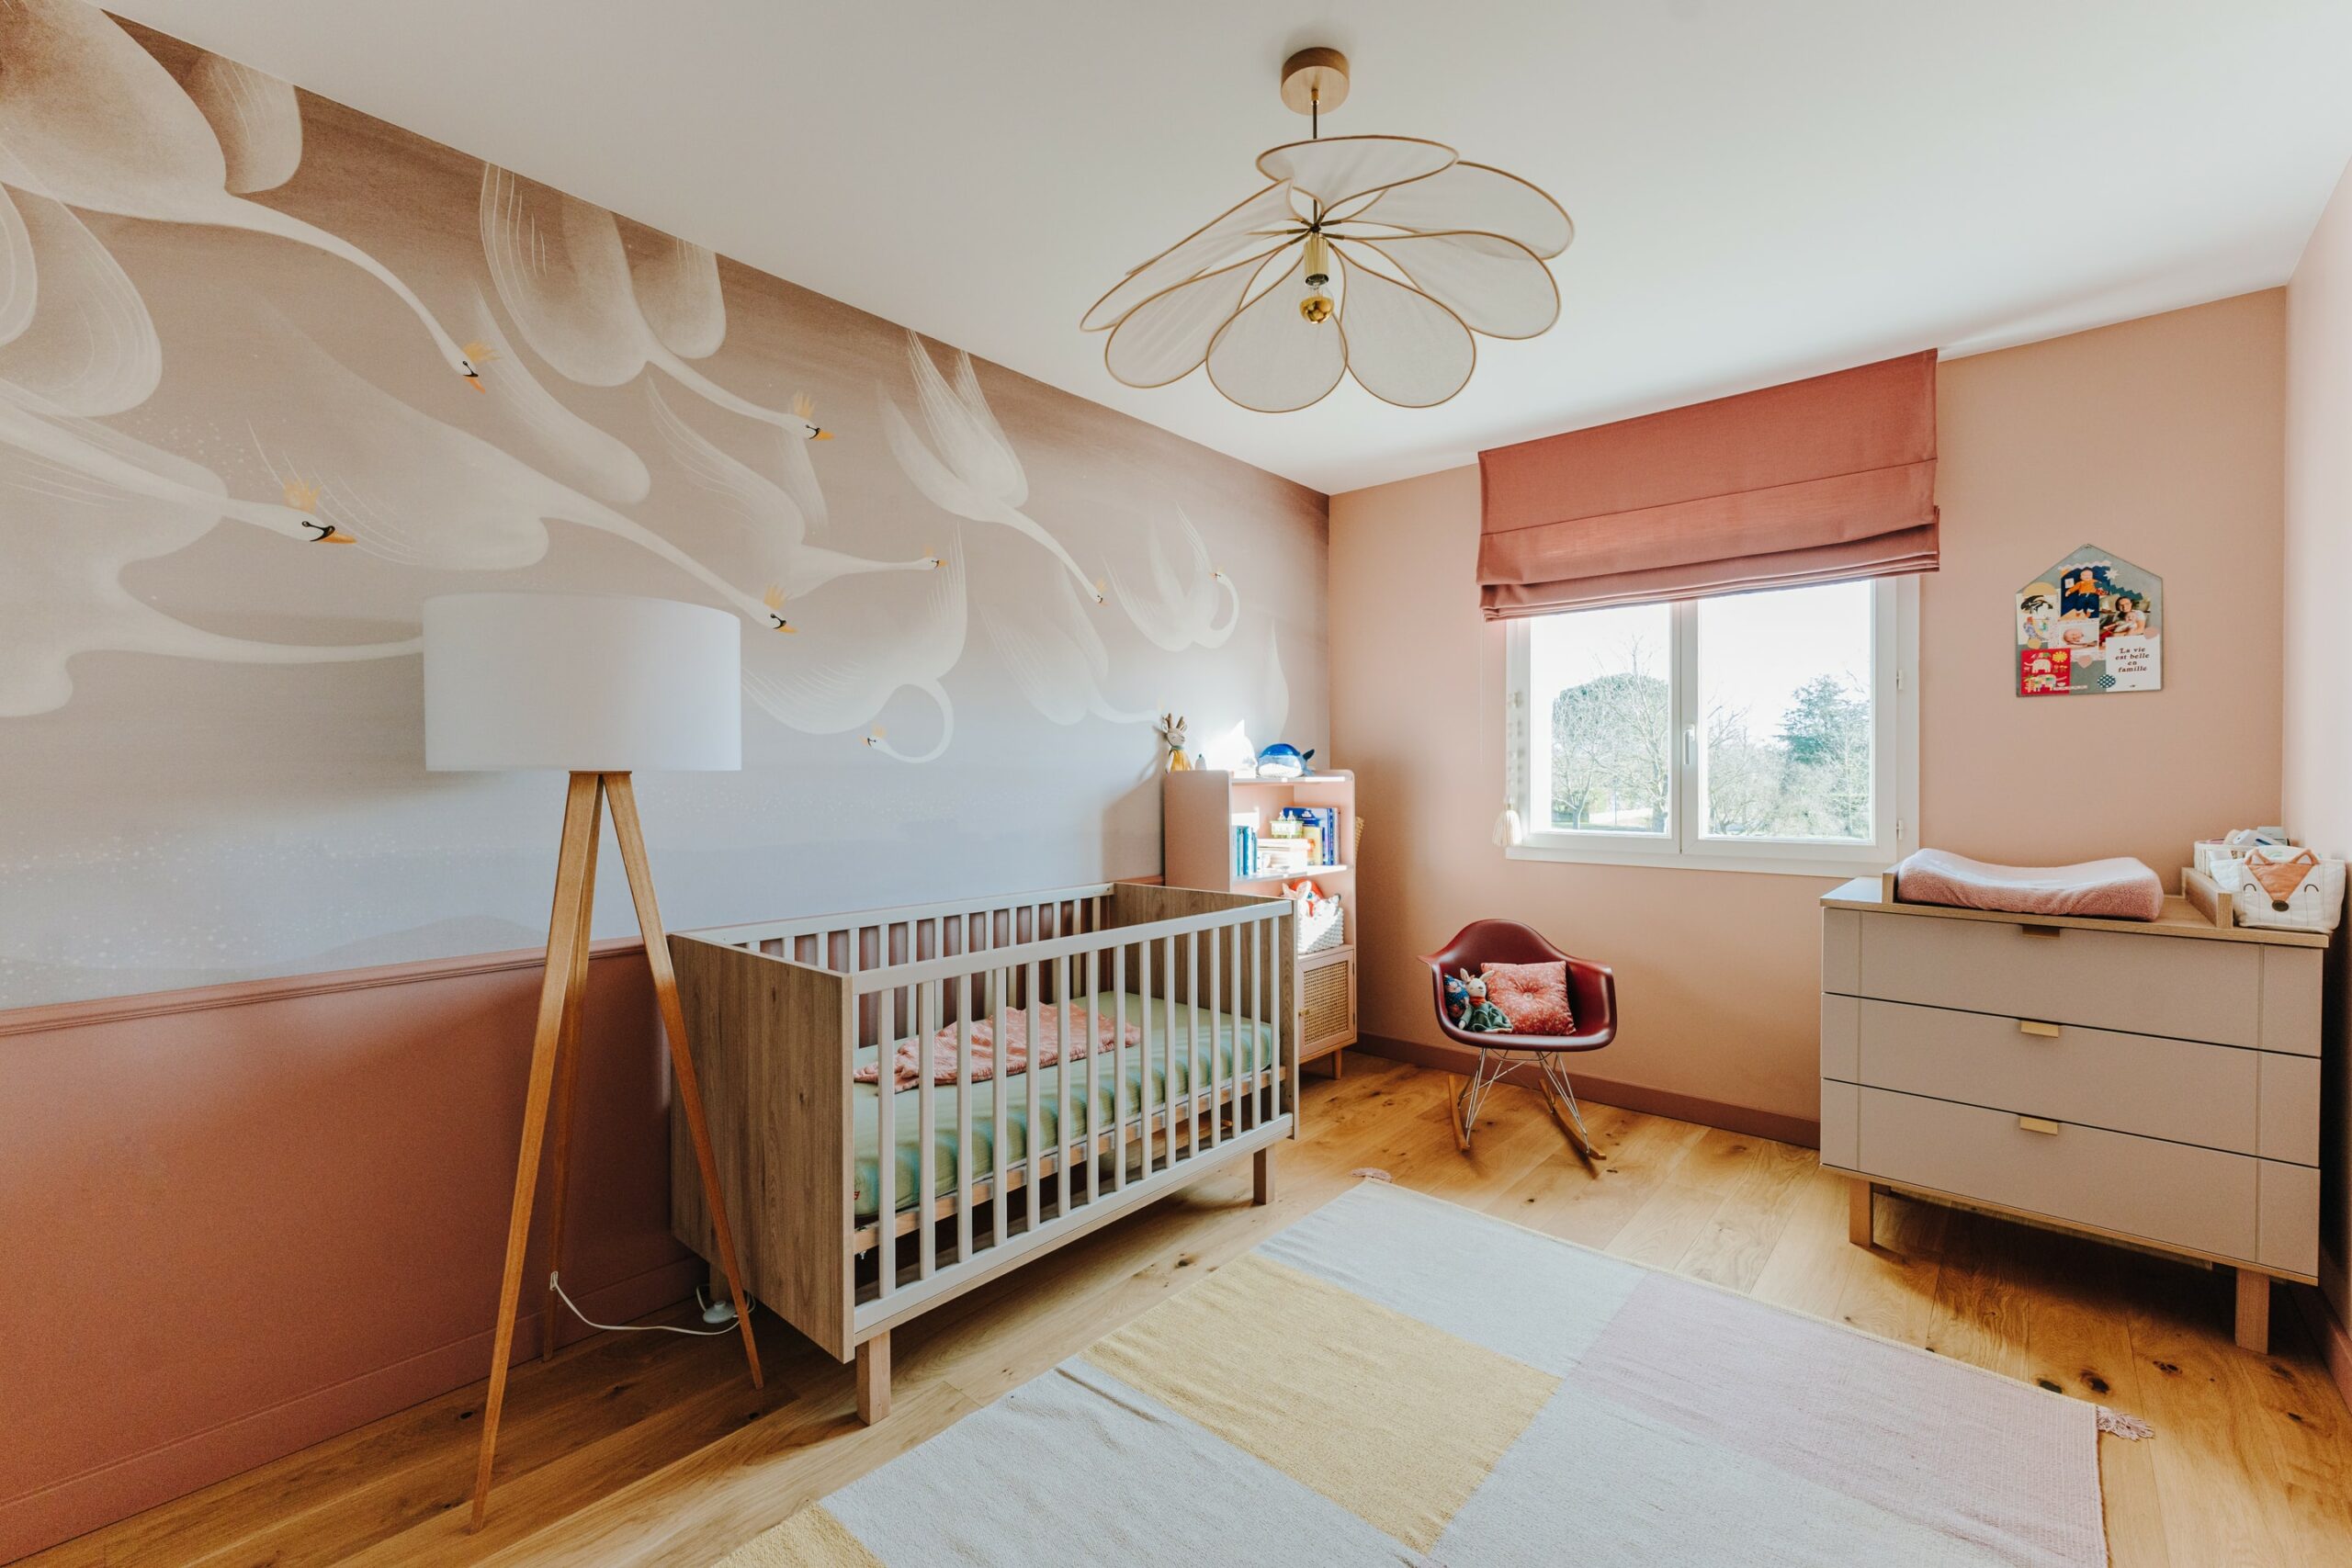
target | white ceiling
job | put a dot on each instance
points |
(1762, 190)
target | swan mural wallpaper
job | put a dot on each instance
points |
(273, 372)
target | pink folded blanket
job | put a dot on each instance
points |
(1082, 1041)
(2121, 888)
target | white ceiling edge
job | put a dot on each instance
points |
(2044, 172)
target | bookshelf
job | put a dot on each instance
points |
(1198, 812)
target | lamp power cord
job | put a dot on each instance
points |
(555, 1284)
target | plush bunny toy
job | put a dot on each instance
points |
(1478, 1016)
(1171, 732)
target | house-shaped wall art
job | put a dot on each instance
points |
(2091, 625)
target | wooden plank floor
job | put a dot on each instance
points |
(651, 1449)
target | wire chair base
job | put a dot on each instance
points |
(1551, 1082)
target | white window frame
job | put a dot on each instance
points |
(1894, 640)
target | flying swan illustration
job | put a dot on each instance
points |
(150, 153)
(975, 473)
(1176, 606)
(846, 681)
(72, 517)
(600, 320)
(106, 458)
(770, 520)
(74, 330)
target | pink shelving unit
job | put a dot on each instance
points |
(1198, 809)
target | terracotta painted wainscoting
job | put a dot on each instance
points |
(1445, 1056)
(241, 1219)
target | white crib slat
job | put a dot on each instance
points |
(964, 1176)
(1033, 1181)
(1285, 941)
(1257, 1015)
(1216, 1011)
(1061, 1081)
(1142, 1077)
(1093, 1060)
(1000, 1087)
(885, 1151)
(1193, 1042)
(928, 1007)
(1168, 1045)
(1118, 1067)
(1230, 939)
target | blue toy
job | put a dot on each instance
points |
(1283, 761)
(1478, 1015)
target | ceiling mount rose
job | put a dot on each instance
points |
(1376, 256)
(1314, 79)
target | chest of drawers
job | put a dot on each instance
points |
(2150, 1082)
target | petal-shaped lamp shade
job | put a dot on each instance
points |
(1496, 286)
(1273, 359)
(1237, 232)
(1430, 251)
(1473, 195)
(1403, 345)
(1339, 167)
(1165, 338)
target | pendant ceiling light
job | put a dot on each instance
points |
(1374, 256)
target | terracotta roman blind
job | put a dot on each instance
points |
(1819, 479)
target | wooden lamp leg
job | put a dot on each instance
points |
(567, 1082)
(565, 923)
(632, 837)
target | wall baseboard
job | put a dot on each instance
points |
(2327, 1329)
(1802, 1131)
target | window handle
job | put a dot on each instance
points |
(1690, 745)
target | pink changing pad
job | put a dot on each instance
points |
(2122, 889)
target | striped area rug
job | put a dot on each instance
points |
(1396, 1380)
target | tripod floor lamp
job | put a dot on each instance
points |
(599, 687)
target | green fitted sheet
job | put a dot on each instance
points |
(1215, 1052)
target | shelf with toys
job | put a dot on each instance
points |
(1221, 832)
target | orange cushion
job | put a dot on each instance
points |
(1535, 997)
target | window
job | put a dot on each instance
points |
(1768, 732)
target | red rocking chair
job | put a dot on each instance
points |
(1592, 1001)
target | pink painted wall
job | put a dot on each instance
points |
(2158, 439)
(244, 1218)
(2318, 760)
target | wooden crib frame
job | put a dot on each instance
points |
(776, 1013)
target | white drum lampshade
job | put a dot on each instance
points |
(583, 682)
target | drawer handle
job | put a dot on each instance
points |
(2050, 932)
(2035, 1026)
(2038, 1124)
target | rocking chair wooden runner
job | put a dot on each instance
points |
(1592, 1003)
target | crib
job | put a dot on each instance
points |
(982, 1172)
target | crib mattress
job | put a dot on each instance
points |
(1215, 1051)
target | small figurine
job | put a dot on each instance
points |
(1170, 730)
(1479, 1016)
